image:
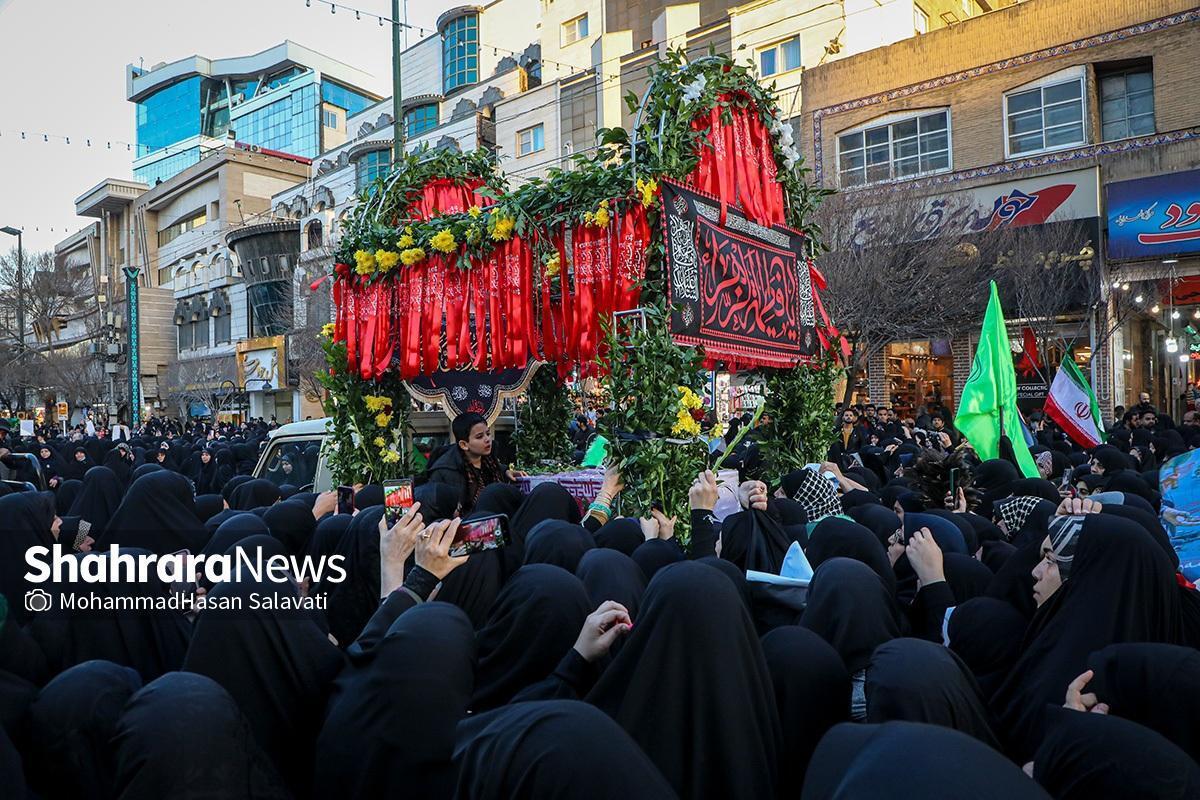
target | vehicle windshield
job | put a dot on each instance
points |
(292, 461)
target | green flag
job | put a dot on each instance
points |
(987, 406)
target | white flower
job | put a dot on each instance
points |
(785, 136)
(692, 92)
(790, 157)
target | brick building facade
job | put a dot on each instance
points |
(1047, 91)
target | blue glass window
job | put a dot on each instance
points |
(344, 97)
(460, 53)
(371, 166)
(420, 119)
(281, 78)
(288, 125)
(168, 167)
(170, 115)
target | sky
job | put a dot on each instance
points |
(63, 63)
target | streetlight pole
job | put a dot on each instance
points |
(397, 116)
(20, 286)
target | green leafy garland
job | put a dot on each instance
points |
(543, 419)
(369, 422)
(799, 406)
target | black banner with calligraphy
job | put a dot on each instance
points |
(467, 390)
(740, 290)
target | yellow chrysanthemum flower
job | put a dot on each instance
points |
(390, 457)
(717, 430)
(411, 256)
(405, 242)
(589, 218)
(474, 211)
(376, 402)
(386, 259)
(443, 241)
(602, 217)
(503, 229)
(364, 262)
(380, 442)
(647, 189)
(553, 266)
(382, 419)
(327, 330)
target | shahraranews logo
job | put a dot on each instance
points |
(51, 564)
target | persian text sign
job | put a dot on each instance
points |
(1154, 217)
(740, 290)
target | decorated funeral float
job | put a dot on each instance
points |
(672, 251)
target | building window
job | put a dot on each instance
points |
(1127, 103)
(780, 57)
(223, 328)
(200, 332)
(420, 119)
(920, 20)
(968, 7)
(176, 229)
(370, 167)
(315, 234)
(897, 149)
(460, 53)
(1046, 117)
(329, 118)
(185, 336)
(574, 29)
(531, 140)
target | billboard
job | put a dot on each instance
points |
(1156, 217)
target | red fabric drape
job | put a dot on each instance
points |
(629, 257)
(738, 165)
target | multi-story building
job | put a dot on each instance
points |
(198, 301)
(287, 98)
(1055, 110)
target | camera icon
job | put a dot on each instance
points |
(37, 600)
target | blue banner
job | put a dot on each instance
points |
(1179, 479)
(1154, 217)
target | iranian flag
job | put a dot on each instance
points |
(1072, 404)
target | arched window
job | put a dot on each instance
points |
(460, 52)
(420, 118)
(316, 234)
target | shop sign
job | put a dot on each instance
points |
(261, 363)
(1154, 217)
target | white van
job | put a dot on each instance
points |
(431, 427)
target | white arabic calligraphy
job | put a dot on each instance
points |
(1144, 215)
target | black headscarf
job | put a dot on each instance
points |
(277, 665)
(851, 608)
(159, 515)
(208, 506)
(736, 576)
(653, 555)
(708, 744)
(559, 543)
(25, 521)
(253, 494)
(533, 624)
(390, 726)
(754, 540)
(995, 473)
(903, 760)
(474, 586)
(241, 525)
(546, 501)
(327, 534)
(440, 500)
(1084, 756)
(966, 577)
(986, 634)
(1122, 589)
(1154, 685)
(534, 751)
(497, 498)
(623, 534)
(180, 708)
(150, 641)
(919, 681)
(812, 693)
(292, 524)
(98, 500)
(834, 536)
(145, 469)
(72, 721)
(65, 495)
(355, 599)
(233, 483)
(882, 522)
(611, 575)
